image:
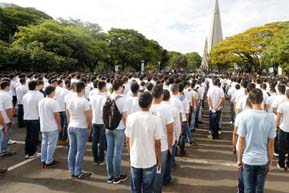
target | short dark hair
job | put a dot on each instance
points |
(167, 95)
(49, 89)
(174, 88)
(256, 96)
(250, 87)
(149, 86)
(134, 87)
(22, 80)
(145, 99)
(157, 91)
(101, 84)
(181, 87)
(32, 85)
(4, 85)
(281, 88)
(116, 84)
(79, 86)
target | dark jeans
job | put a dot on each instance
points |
(214, 123)
(98, 138)
(232, 112)
(142, 180)
(21, 122)
(168, 176)
(254, 178)
(276, 143)
(283, 147)
(63, 134)
(240, 179)
(14, 101)
(183, 138)
(32, 133)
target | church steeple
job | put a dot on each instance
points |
(216, 33)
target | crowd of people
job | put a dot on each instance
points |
(153, 115)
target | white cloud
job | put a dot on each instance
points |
(180, 25)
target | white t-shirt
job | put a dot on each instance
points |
(97, 102)
(77, 107)
(215, 93)
(237, 120)
(13, 86)
(69, 96)
(242, 103)
(186, 107)
(133, 105)
(269, 102)
(279, 100)
(6, 104)
(284, 109)
(20, 92)
(176, 102)
(165, 115)
(143, 129)
(239, 94)
(30, 105)
(60, 94)
(47, 107)
(122, 106)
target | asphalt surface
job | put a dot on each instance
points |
(209, 167)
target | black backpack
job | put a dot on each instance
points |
(111, 114)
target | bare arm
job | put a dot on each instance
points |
(58, 121)
(2, 122)
(210, 103)
(10, 114)
(270, 153)
(128, 145)
(240, 151)
(170, 133)
(278, 120)
(124, 117)
(88, 115)
(158, 152)
(235, 139)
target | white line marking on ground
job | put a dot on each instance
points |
(21, 164)
(200, 161)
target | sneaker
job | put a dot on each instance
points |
(122, 178)
(101, 163)
(109, 180)
(9, 153)
(34, 155)
(26, 156)
(52, 164)
(276, 154)
(11, 142)
(280, 167)
(210, 136)
(220, 132)
(84, 175)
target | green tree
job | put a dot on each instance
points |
(194, 60)
(177, 60)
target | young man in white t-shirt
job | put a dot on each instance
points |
(31, 118)
(21, 90)
(132, 101)
(115, 138)
(50, 126)
(215, 103)
(282, 122)
(7, 114)
(165, 114)
(79, 114)
(97, 102)
(3, 132)
(143, 141)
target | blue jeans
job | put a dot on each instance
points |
(1, 137)
(173, 160)
(49, 141)
(159, 177)
(142, 180)
(4, 147)
(168, 176)
(98, 138)
(193, 120)
(115, 144)
(254, 178)
(183, 137)
(214, 123)
(240, 179)
(232, 112)
(77, 138)
(63, 134)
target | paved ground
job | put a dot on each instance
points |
(209, 167)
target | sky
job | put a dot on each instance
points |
(179, 25)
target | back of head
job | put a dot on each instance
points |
(250, 87)
(4, 85)
(116, 84)
(174, 88)
(32, 85)
(145, 100)
(79, 86)
(157, 91)
(101, 84)
(281, 88)
(256, 96)
(134, 87)
(167, 95)
(49, 89)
